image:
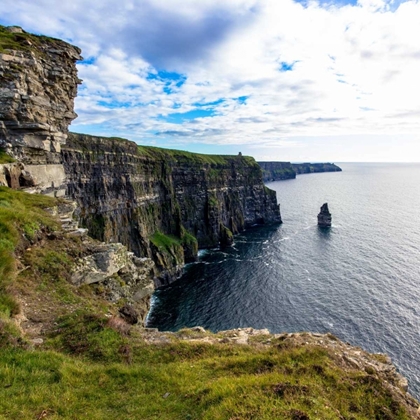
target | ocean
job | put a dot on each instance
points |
(358, 280)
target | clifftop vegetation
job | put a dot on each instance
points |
(17, 39)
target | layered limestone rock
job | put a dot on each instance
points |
(324, 216)
(38, 84)
(134, 195)
(120, 273)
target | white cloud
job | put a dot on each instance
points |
(352, 69)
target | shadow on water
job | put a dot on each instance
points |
(324, 232)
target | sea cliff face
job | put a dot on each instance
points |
(38, 85)
(309, 168)
(163, 204)
(279, 171)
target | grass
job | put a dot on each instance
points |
(167, 242)
(168, 155)
(5, 158)
(23, 41)
(21, 218)
(198, 158)
(185, 380)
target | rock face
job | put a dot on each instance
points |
(309, 168)
(324, 216)
(38, 84)
(164, 204)
(277, 171)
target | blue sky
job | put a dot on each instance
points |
(276, 79)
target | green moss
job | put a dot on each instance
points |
(5, 158)
(212, 200)
(189, 240)
(164, 242)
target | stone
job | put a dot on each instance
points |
(198, 329)
(324, 216)
(14, 29)
(226, 236)
(38, 84)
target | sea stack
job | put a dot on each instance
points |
(324, 217)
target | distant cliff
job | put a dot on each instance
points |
(279, 171)
(309, 168)
(163, 204)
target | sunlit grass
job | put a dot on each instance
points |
(190, 381)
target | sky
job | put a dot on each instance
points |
(286, 80)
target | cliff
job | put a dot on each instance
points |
(163, 204)
(38, 84)
(309, 168)
(279, 171)
(66, 299)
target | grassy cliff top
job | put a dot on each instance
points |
(24, 41)
(160, 153)
(181, 155)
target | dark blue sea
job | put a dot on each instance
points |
(359, 280)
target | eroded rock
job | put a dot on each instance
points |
(324, 216)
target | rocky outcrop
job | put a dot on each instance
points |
(324, 216)
(277, 171)
(116, 273)
(309, 168)
(164, 204)
(38, 84)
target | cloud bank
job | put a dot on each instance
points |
(257, 74)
